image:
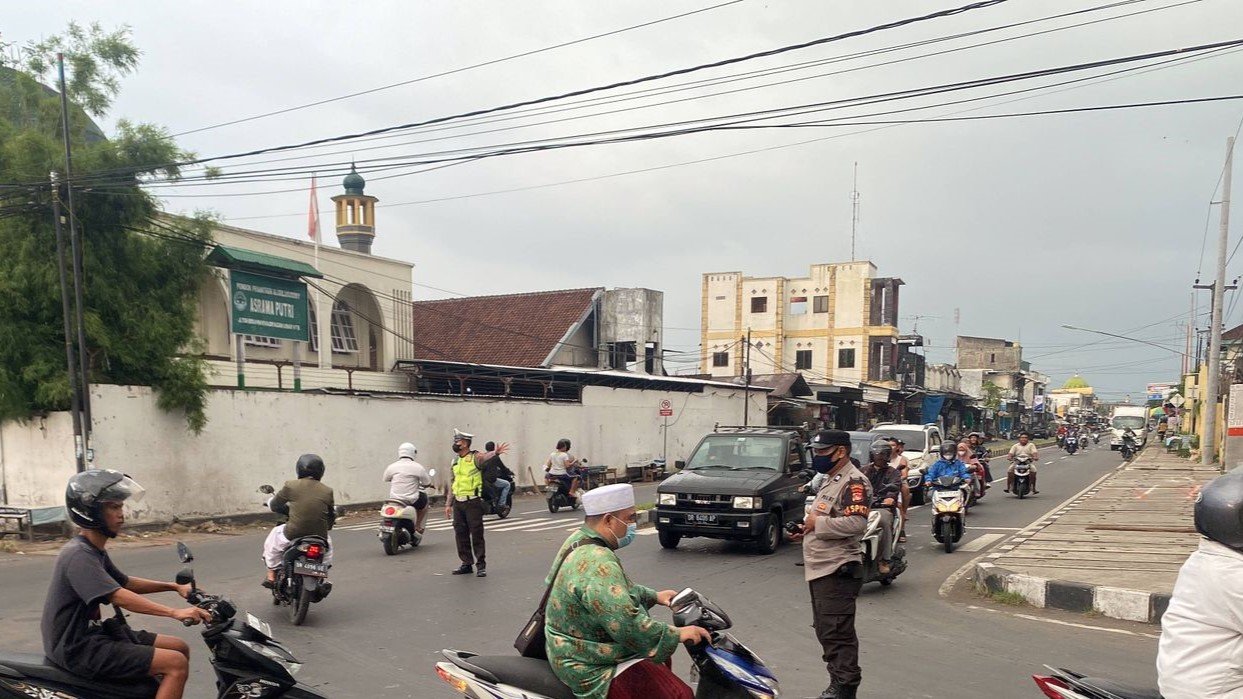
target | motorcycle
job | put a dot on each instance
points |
(397, 523)
(949, 510)
(302, 578)
(559, 490)
(1128, 449)
(1065, 684)
(724, 669)
(246, 659)
(1072, 445)
(500, 509)
(1096, 437)
(1022, 476)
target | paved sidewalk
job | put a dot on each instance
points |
(1115, 548)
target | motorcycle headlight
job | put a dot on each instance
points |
(748, 503)
(668, 499)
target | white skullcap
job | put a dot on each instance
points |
(609, 498)
(407, 451)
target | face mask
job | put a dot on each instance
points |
(632, 530)
(822, 464)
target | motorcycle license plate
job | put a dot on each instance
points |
(387, 527)
(319, 570)
(696, 518)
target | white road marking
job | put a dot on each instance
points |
(980, 542)
(642, 532)
(1088, 627)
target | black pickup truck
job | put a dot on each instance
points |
(740, 484)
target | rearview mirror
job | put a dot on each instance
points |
(267, 489)
(183, 553)
(185, 576)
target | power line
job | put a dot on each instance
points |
(749, 119)
(611, 86)
(454, 71)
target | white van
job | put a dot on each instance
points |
(1132, 416)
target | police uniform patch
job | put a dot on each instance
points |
(857, 494)
(822, 506)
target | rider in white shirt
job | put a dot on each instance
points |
(408, 479)
(1201, 631)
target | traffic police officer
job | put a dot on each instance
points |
(833, 559)
(464, 502)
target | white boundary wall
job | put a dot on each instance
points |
(254, 437)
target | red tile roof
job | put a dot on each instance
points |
(510, 330)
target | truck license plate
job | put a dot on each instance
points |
(701, 519)
(308, 568)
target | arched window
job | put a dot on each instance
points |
(344, 338)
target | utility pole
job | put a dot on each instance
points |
(75, 246)
(66, 312)
(746, 398)
(854, 213)
(1212, 387)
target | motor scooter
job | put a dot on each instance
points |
(302, 578)
(1072, 444)
(949, 510)
(1065, 684)
(246, 659)
(724, 669)
(1022, 475)
(397, 522)
(559, 489)
(500, 509)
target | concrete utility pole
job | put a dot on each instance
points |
(1212, 387)
(71, 361)
(75, 247)
(854, 213)
(746, 398)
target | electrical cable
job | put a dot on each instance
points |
(454, 71)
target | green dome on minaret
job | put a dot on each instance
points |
(353, 182)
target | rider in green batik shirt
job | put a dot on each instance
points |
(596, 618)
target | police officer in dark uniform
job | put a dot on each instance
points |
(833, 558)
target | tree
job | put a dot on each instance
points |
(142, 272)
(992, 395)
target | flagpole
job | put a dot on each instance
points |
(324, 322)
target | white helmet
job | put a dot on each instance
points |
(407, 451)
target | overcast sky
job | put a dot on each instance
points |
(1023, 224)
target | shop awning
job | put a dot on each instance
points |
(259, 263)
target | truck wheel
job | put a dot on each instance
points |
(669, 540)
(772, 535)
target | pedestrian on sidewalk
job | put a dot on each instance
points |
(833, 558)
(464, 503)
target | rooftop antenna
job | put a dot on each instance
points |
(854, 213)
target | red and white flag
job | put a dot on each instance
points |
(312, 217)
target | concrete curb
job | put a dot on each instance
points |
(647, 518)
(1113, 602)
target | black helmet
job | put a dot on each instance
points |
(310, 466)
(88, 490)
(563, 443)
(830, 438)
(948, 450)
(881, 446)
(1219, 510)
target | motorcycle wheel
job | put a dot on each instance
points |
(298, 608)
(1021, 492)
(552, 505)
(390, 543)
(574, 505)
(947, 537)
(886, 581)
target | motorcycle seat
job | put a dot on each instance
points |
(531, 674)
(36, 667)
(1117, 689)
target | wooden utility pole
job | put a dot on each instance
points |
(75, 398)
(75, 247)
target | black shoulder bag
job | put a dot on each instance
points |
(530, 641)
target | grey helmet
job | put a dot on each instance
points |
(881, 446)
(948, 450)
(1219, 510)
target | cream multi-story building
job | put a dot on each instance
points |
(839, 324)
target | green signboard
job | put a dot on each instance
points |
(269, 306)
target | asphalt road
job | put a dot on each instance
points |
(379, 633)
